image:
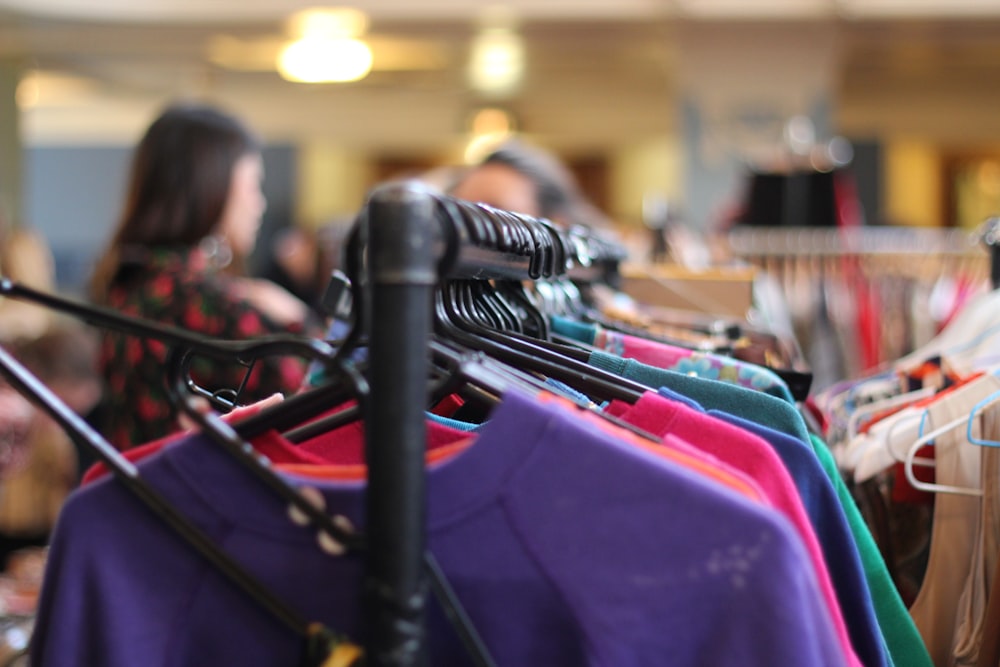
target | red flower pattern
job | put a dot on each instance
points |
(170, 290)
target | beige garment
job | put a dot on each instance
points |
(975, 596)
(956, 520)
(989, 650)
(32, 495)
(25, 258)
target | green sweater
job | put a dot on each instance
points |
(901, 637)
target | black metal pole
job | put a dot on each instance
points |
(402, 272)
(990, 236)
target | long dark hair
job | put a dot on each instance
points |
(178, 183)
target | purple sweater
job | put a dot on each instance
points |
(567, 546)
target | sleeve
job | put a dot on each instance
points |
(93, 610)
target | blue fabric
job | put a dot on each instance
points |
(837, 539)
(567, 390)
(680, 398)
(468, 427)
(848, 572)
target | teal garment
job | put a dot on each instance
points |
(700, 363)
(739, 401)
(585, 333)
(904, 643)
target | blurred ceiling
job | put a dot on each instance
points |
(598, 74)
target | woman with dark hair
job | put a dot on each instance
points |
(191, 214)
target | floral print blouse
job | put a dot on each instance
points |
(176, 288)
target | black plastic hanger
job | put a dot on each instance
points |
(523, 354)
(242, 352)
(466, 368)
(533, 321)
(319, 643)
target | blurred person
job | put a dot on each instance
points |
(25, 258)
(291, 262)
(191, 214)
(36, 462)
(522, 178)
(37, 480)
(525, 179)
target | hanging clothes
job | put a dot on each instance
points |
(881, 425)
(532, 562)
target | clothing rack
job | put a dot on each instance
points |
(765, 242)
(414, 238)
(411, 238)
(882, 271)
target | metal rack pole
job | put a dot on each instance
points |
(402, 272)
(990, 236)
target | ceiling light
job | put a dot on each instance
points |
(497, 62)
(326, 49)
(490, 127)
(317, 60)
(40, 88)
(328, 22)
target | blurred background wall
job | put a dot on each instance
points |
(670, 101)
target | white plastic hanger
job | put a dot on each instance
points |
(895, 441)
(859, 415)
(886, 443)
(911, 460)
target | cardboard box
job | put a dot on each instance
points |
(724, 291)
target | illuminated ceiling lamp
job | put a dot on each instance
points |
(496, 64)
(490, 127)
(326, 48)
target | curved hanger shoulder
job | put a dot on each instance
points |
(990, 400)
(911, 460)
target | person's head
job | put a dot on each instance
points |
(518, 177)
(195, 173)
(525, 179)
